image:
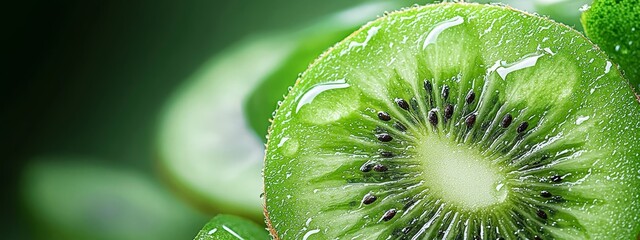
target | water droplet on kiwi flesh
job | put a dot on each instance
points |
(463, 114)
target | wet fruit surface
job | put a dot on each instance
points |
(457, 121)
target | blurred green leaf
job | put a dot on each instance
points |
(228, 227)
(70, 198)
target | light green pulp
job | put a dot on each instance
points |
(582, 115)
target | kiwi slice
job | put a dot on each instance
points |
(229, 227)
(456, 121)
(205, 146)
(615, 26)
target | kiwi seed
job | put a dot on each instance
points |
(384, 116)
(506, 121)
(522, 127)
(388, 215)
(369, 199)
(470, 97)
(448, 111)
(384, 137)
(402, 103)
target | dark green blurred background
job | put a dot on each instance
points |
(88, 79)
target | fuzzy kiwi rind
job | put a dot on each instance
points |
(551, 115)
(615, 26)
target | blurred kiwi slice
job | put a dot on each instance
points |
(456, 121)
(205, 144)
(229, 227)
(614, 25)
(78, 198)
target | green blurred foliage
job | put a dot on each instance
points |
(228, 227)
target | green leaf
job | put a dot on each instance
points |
(229, 227)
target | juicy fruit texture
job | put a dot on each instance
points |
(457, 121)
(615, 26)
(229, 227)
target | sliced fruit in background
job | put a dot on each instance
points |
(229, 227)
(457, 121)
(206, 148)
(73, 198)
(614, 25)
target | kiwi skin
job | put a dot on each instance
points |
(269, 221)
(615, 26)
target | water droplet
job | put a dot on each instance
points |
(608, 67)
(433, 34)
(503, 68)
(308, 96)
(581, 119)
(309, 233)
(584, 8)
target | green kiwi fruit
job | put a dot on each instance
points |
(456, 121)
(229, 227)
(77, 198)
(614, 25)
(206, 149)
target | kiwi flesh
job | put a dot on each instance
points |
(229, 227)
(456, 121)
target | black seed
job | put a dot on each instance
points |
(406, 230)
(470, 97)
(536, 237)
(384, 137)
(506, 121)
(400, 126)
(470, 120)
(380, 168)
(433, 117)
(384, 116)
(388, 215)
(556, 178)
(427, 86)
(367, 167)
(402, 103)
(541, 214)
(386, 154)
(369, 199)
(445, 92)
(545, 194)
(523, 127)
(448, 111)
